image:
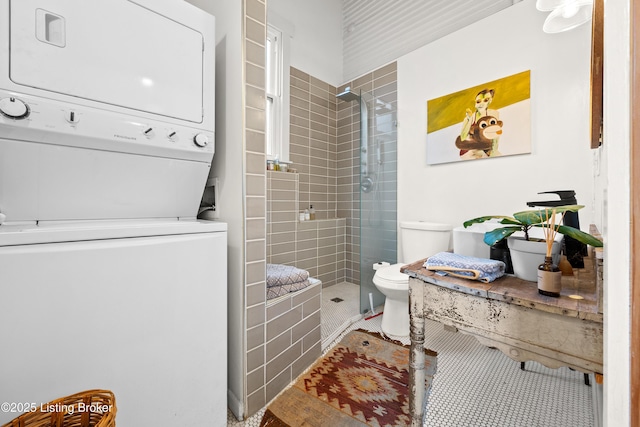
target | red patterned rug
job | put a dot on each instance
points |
(362, 381)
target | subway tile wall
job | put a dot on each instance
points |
(279, 346)
(293, 338)
(325, 149)
(321, 249)
(324, 144)
(380, 212)
(312, 143)
(254, 36)
(282, 217)
(317, 246)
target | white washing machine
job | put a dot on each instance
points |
(107, 280)
(138, 308)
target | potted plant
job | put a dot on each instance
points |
(526, 248)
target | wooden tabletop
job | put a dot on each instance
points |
(577, 299)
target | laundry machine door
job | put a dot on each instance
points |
(114, 52)
(144, 317)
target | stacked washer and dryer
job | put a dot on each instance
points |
(107, 280)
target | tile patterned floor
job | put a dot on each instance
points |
(338, 316)
(476, 386)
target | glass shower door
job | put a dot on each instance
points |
(378, 192)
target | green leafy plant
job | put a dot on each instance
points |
(525, 220)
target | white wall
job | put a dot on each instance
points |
(616, 227)
(227, 165)
(316, 46)
(503, 44)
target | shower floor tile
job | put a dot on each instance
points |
(340, 308)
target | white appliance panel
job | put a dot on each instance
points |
(49, 122)
(47, 182)
(143, 317)
(99, 143)
(74, 231)
(95, 51)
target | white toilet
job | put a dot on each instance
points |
(419, 240)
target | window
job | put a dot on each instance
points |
(277, 94)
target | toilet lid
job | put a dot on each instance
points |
(392, 273)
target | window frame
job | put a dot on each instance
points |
(277, 81)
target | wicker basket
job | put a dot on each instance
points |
(91, 408)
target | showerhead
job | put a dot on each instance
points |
(348, 96)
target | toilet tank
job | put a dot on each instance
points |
(423, 239)
(469, 241)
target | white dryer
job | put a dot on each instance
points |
(106, 109)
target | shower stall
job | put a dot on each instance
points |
(374, 185)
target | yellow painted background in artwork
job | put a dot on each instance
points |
(450, 109)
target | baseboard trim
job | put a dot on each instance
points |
(598, 401)
(235, 405)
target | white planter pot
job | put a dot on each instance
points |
(527, 255)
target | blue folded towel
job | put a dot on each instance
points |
(467, 267)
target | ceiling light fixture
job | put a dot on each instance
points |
(565, 14)
(548, 5)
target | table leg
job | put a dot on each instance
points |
(417, 390)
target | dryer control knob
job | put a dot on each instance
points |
(13, 108)
(71, 116)
(201, 139)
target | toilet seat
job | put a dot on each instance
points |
(391, 276)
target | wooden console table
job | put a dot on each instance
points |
(510, 315)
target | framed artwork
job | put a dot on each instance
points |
(597, 68)
(492, 119)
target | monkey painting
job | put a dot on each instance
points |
(474, 141)
(482, 140)
(482, 102)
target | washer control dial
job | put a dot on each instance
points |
(201, 139)
(13, 108)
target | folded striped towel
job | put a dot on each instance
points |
(467, 267)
